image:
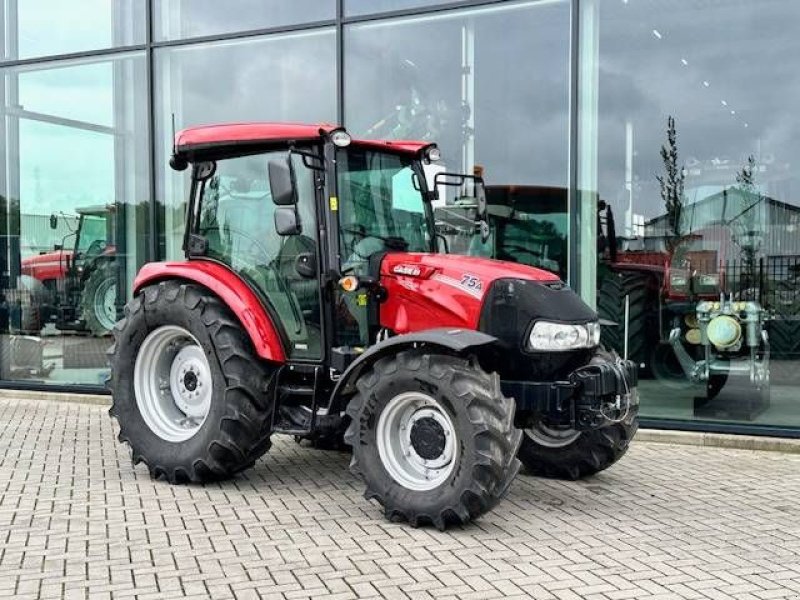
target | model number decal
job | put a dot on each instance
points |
(471, 282)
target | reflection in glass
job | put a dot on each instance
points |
(48, 27)
(695, 183)
(365, 7)
(74, 214)
(181, 19)
(269, 78)
(448, 78)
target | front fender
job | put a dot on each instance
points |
(457, 341)
(231, 289)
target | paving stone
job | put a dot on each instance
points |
(669, 521)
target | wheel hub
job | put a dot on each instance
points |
(172, 383)
(417, 441)
(427, 437)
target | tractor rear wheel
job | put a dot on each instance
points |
(572, 454)
(433, 438)
(191, 397)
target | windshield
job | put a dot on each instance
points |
(92, 231)
(381, 206)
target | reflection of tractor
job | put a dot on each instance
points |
(528, 225)
(685, 307)
(80, 283)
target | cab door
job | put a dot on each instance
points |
(237, 220)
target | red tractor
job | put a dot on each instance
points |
(80, 284)
(312, 302)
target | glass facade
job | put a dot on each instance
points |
(444, 77)
(644, 150)
(688, 128)
(283, 77)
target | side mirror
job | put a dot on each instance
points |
(53, 221)
(286, 221)
(282, 183)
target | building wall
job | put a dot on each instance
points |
(564, 104)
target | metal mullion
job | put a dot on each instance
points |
(51, 58)
(340, 62)
(153, 226)
(573, 209)
(62, 121)
(236, 35)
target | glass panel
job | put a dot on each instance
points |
(380, 207)
(74, 214)
(270, 78)
(237, 219)
(688, 157)
(180, 19)
(46, 27)
(443, 78)
(368, 7)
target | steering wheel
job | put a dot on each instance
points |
(95, 248)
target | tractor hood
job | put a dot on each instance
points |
(49, 265)
(444, 290)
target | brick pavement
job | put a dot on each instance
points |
(78, 521)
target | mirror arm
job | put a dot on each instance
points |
(309, 156)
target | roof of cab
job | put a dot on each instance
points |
(206, 137)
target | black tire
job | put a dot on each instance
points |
(592, 452)
(611, 305)
(483, 421)
(589, 453)
(99, 281)
(237, 429)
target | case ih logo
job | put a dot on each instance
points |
(409, 270)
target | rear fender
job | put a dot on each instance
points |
(446, 340)
(231, 289)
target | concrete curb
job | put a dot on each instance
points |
(719, 440)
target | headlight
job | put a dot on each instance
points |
(560, 337)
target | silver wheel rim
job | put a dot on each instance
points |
(172, 383)
(552, 438)
(105, 303)
(399, 455)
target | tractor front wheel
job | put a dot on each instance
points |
(433, 438)
(191, 397)
(571, 454)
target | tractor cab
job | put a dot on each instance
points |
(312, 301)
